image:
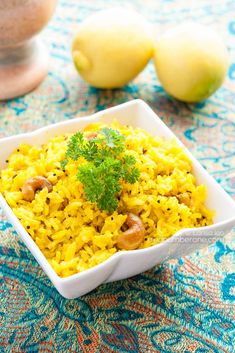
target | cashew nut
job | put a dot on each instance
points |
(91, 135)
(133, 237)
(32, 185)
(184, 198)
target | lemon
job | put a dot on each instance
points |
(191, 61)
(112, 47)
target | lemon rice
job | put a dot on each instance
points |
(72, 232)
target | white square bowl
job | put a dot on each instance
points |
(124, 264)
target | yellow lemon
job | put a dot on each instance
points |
(111, 47)
(191, 61)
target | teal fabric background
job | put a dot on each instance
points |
(185, 305)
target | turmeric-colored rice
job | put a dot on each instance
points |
(72, 232)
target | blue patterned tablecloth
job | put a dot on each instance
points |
(185, 305)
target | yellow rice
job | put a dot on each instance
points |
(71, 232)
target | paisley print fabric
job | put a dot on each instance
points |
(185, 305)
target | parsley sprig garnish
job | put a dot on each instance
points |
(106, 165)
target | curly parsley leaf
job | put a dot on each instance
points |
(112, 139)
(107, 165)
(101, 183)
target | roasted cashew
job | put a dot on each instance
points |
(91, 135)
(184, 198)
(32, 185)
(133, 237)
